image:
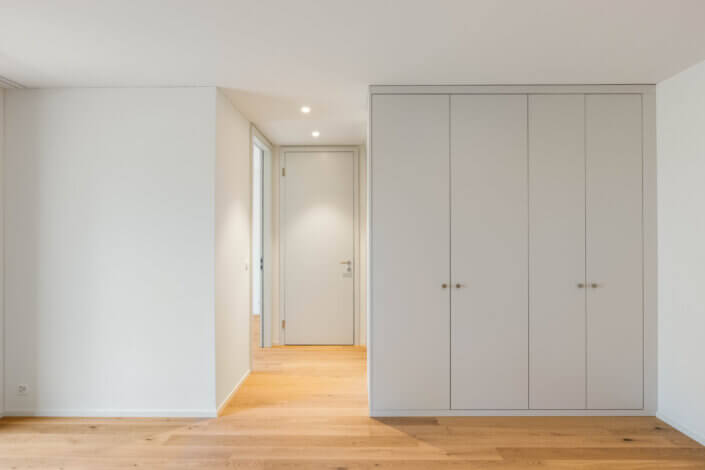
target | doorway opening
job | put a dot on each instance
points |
(320, 246)
(308, 245)
(261, 253)
(311, 202)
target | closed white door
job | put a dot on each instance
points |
(410, 252)
(614, 251)
(489, 255)
(318, 244)
(557, 251)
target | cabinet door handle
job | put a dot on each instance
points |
(581, 285)
(458, 286)
(444, 286)
(594, 285)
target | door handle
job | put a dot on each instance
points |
(581, 285)
(458, 286)
(444, 286)
(348, 266)
(594, 285)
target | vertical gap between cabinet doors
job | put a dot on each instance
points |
(643, 319)
(450, 257)
(528, 260)
(585, 242)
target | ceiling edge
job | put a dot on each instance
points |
(7, 83)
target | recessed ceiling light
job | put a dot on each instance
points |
(305, 109)
(315, 133)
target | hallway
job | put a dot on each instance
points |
(303, 381)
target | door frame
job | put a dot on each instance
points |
(283, 151)
(259, 139)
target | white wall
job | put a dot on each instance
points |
(2, 245)
(109, 246)
(233, 203)
(681, 231)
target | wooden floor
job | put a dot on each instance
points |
(306, 408)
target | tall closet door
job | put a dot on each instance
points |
(557, 251)
(614, 252)
(489, 262)
(410, 246)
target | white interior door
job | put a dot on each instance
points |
(614, 252)
(318, 242)
(557, 251)
(410, 250)
(489, 262)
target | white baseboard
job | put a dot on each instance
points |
(700, 438)
(420, 413)
(222, 406)
(113, 413)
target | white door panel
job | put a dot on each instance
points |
(520, 204)
(614, 252)
(318, 236)
(557, 251)
(410, 311)
(489, 338)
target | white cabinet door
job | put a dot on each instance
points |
(614, 252)
(318, 237)
(410, 246)
(557, 251)
(489, 334)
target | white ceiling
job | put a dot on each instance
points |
(276, 55)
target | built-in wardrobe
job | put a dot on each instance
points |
(507, 248)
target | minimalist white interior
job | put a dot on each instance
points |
(528, 177)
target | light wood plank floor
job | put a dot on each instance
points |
(306, 408)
